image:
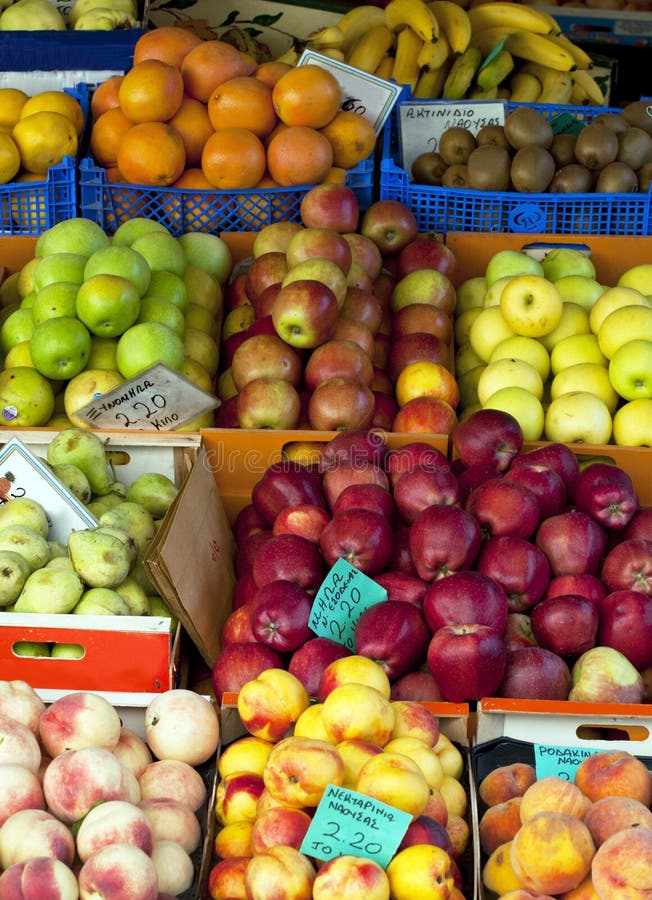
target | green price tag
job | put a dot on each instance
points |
(560, 762)
(493, 54)
(347, 823)
(343, 596)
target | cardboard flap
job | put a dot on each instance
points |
(189, 560)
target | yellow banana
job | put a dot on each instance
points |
(581, 57)
(489, 38)
(370, 48)
(406, 69)
(524, 87)
(430, 82)
(415, 14)
(291, 56)
(555, 27)
(495, 71)
(432, 55)
(556, 86)
(333, 53)
(453, 23)
(527, 18)
(331, 36)
(385, 67)
(590, 86)
(357, 21)
(537, 48)
(461, 74)
(578, 96)
(477, 93)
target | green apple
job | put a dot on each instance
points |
(102, 355)
(147, 343)
(197, 375)
(81, 235)
(574, 349)
(632, 426)
(86, 386)
(563, 261)
(580, 289)
(28, 301)
(203, 289)
(19, 355)
(26, 398)
(622, 325)
(493, 292)
(108, 304)
(208, 251)
(574, 320)
(630, 370)
(470, 293)
(67, 651)
(131, 229)
(591, 378)
(531, 305)
(524, 406)
(123, 261)
(64, 266)
(467, 384)
(638, 277)
(162, 251)
(613, 298)
(511, 262)
(157, 309)
(507, 372)
(463, 322)
(465, 359)
(530, 350)
(487, 331)
(169, 286)
(201, 318)
(579, 417)
(25, 280)
(17, 327)
(60, 347)
(59, 298)
(203, 348)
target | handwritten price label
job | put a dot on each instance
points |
(561, 762)
(349, 823)
(343, 596)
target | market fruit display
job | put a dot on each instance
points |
(91, 807)
(272, 778)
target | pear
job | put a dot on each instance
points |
(130, 542)
(25, 511)
(74, 479)
(31, 545)
(50, 591)
(85, 450)
(101, 602)
(59, 562)
(32, 15)
(14, 572)
(67, 651)
(158, 607)
(135, 520)
(153, 491)
(99, 558)
(56, 550)
(140, 576)
(134, 596)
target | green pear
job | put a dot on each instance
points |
(85, 450)
(32, 15)
(25, 511)
(97, 506)
(127, 539)
(101, 601)
(31, 648)
(57, 551)
(99, 558)
(74, 480)
(158, 607)
(50, 591)
(140, 576)
(134, 596)
(81, 7)
(153, 491)
(31, 545)
(135, 520)
(14, 572)
(67, 651)
(59, 562)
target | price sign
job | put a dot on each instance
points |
(421, 124)
(373, 97)
(156, 400)
(559, 761)
(343, 596)
(352, 824)
(24, 475)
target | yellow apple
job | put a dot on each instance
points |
(613, 298)
(493, 292)
(468, 386)
(530, 350)
(638, 277)
(575, 349)
(630, 370)
(524, 406)
(488, 330)
(225, 385)
(466, 358)
(632, 426)
(507, 372)
(579, 289)
(622, 325)
(578, 417)
(470, 293)
(531, 305)
(238, 319)
(591, 377)
(574, 320)
(511, 262)
(463, 322)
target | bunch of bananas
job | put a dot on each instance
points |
(494, 50)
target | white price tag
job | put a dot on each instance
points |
(156, 400)
(421, 124)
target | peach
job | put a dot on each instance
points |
(299, 769)
(246, 754)
(34, 832)
(611, 814)
(132, 751)
(173, 779)
(78, 720)
(234, 840)
(78, 779)
(412, 719)
(355, 752)
(452, 761)
(172, 820)
(280, 825)
(622, 865)
(357, 711)
(395, 779)
(584, 891)
(552, 852)
(554, 794)
(349, 878)
(426, 830)
(236, 797)
(117, 871)
(226, 880)
(34, 879)
(422, 871)
(270, 704)
(423, 755)
(19, 701)
(504, 782)
(355, 669)
(113, 822)
(18, 744)
(311, 723)
(19, 789)
(459, 832)
(455, 796)
(498, 824)
(279, 872)
(614, 772)
(182, 724)
(132, 787)
(523, 894)
(266, 801)
(436, 807)
(174, 868)
(498, 873)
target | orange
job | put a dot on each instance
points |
(151, 91)
(233, 158)
(201, 207)
(168, 43)
(209, 64)
(307, 95)
(352, 138)
(192, 122)
(268, 137)
(106, 134)
(193, 178)
(243, 102)
(11, 103)
(56, 101)
(299, 155)
(151, 153)
(105, 96)
(271, 71)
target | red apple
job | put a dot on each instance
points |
(422, 487)
(422, 317)
(467, 661)
(261, 325)
(268, 403)
(309, 661)
(444, 539)
(362, 306)
(504, 507)
(289, 557)
(415, 347)
(231, 344)
(330, 205)
(390, 225)
(394, 634)
(364, 253)
(382, 383)
(349, 472)
(247, 550)
(555, 456)
(359, 277)
(265, 356)
(425, 415)
(402, 586)
(305, 313)
(286, 483)
(401, 560)
(424, 286)
(305, 519)
(640, 525)
(248, 521)
(350, 330)
(566, 624)
(244, 590)
(419, 686)
(414, 454)
(237, 628)
(240, 663)
(628, 566)
(465, 598)
(362, 537)
(573, 542)
(355, 445)
(384, 285)
(365, 496)
(317, 242)
(470, 477)
(338, 358)
(607, 494)
(385, 410)
(340, 403)
(226, 414)
(518, 566)
(488, 437)
(235, 293)
(279, 615)
(426, 252)
(267, 269)
(545, 483)
(518, 631)
(626, 625)
(265, 302)
(589, 586)
(534, 673)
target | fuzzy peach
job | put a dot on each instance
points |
(280, 872)
(422, 871)
(522, 894)
(423, 755)
(77, 779)
(350, 878)
(247, 754)
(355, 669)
(505, 782)
(280, 825)
(19, 789)
(173, 779)
(182, 724)
(234, 840)
(18, 744)
(611, 814)
(499, 823)
(172, 820)
(78, 720)
(412, 719)
(554, 794)
(614, 772)
(36, 878)
(226, 880)
(132, 751)
(175, 871)
(298, 770)
(270, 704)
(552, 852)
(584, 891)
(113, 822)
(622, 865)
(395, 779)
(117, 871)
(267, 801)
(357, 711)
(236, 797)
(19, 701)
(35, 832)
(355, 752)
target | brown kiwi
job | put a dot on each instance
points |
(493, 135)
(525, 126)
(596, 146)
(455, 176)
(616, 178)
(488, 168)
(456, 144)
(639, 113)
(571, 179)
(563, 149)
(428, 168)
(532, 170)
(644, 176)
(613, 120)
(634, 147)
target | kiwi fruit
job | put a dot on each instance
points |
(488, 168)
(612, 120)
(596, 146)
(456, 144)
(616, 178)
(644, 176)
(526, 127)
(571, 179)
(494, 135)
(563, 149)
(532, 170)
(456, 176)
(638, 113)
(634, 147)
(428, 168)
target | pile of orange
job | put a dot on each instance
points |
(200, 113)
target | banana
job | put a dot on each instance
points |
(524, 87)
(555, 27)
(581, 57)
(432, 55)
(578, 96)
(556, 86)
(358, 20)
(461, 74)
(370, 48)
(453, 23)
(291, 56)
(430, 82)
(489, 38)
(406, 69)
(525, 18)
(333, 53)
(331, 36)
(415, 14)
(477, 93)
(590, 86)
(495, 71)
(385, 67)
(537, 48)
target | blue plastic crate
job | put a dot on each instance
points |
(180, 209)
(441, 209)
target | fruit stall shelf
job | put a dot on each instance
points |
(442, 210)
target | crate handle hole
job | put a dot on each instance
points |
(624, 732)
